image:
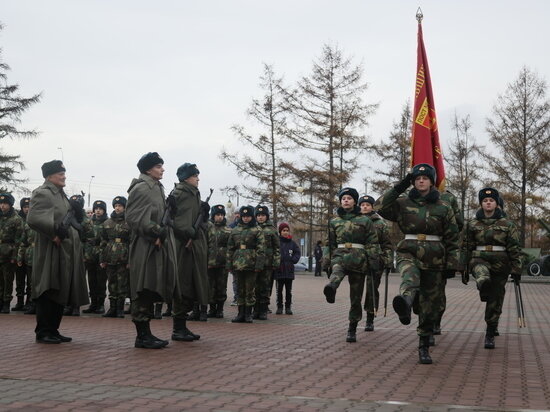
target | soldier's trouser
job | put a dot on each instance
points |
(318, 268)
(356, 287)
(371, 302)
(97, 282)
(118, 280)
(246, 283)
(48, 316)
(235, 288)
(142, 306)
(442, 304)
(263, 284)
(287, 284)
(217, 279)
(423, 285)
(493, 308)
(181, 306)
(7, 274)
(21, 280)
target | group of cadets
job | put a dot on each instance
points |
(178, 250)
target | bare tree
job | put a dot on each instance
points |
(519, 131)
(12, 107)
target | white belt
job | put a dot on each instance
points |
(420, 236)
(491, 248)
(349, 245)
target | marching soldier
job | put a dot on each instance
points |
(492, 251)
(58, 264)
(151, 255)
(22, 277)
(272, 261)
(427, 253)
(246, 258)
(24, 258)
(355, 251)
(218, 235)
(115, 235)
(372, 296)
(190, 220)
(11, 230)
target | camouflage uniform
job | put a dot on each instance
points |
(218, 236)
(115, 236)
(24, 258)
(22, 274)
(97, 276)
(265, 277)
(11, 230)
(246, 258)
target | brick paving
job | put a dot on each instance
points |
(295, 363)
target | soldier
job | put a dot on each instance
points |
(428, 251)
(115, 234)
(25, 254)
(448, 197)
(372, 296)
(151, 253)
(272, 259)
(218, 235)
(97, 276)
(246, 258)
(58, 264)
(355, 251)
(192, 249)
(11, 230)
(492, 251)
(22, 274)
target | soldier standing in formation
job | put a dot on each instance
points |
(272, 259)
(24, 257)
(151, 252)
(218, 235)
(22, 277)
(354, 252)
(427, 253)
(115, 235)
(11, 230)
(372, 296)
(492, 251)
(246, 258)
(190, 223)
(58, 264)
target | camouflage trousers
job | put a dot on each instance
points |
(442, 304)
(22, 281)
(118, 278)
(246, 285)
(356, 286)
(97, 281)
(372, 301)
(263, 286)
(424, 286)
(7, 275)
(493, 307)
(142, 307)
(217, 279)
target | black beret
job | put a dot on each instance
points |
(424, 169)
(187, 170)
(217, 210)
(246, 211)
(262, 210)
(25, 201)
(366, 199)
(79, 199)
(7, 198)
(52, 167)
(100, 204)
(488, 192)
(119, 200)
(148, 161)
(348, 191)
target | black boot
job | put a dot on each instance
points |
(93, 306)
(145, 339)
(120, 308)
(279, 310)
(330, 292)
(424, 350)
(75, 310)
(195, 315)
(195, 336)
(158, 311)
(100, 309)
(5, 307)
(263, 311)
(168, 310)
(402, 305)
(203, 317)
(20, 305)
(490, 337)
(219, 310)
(32, 309)
(67, 310)
(352, 329)
(256, 311)
(212, 311)
(248, 314)
(288, 310)
(369, 325)
(112, 312)
(240, 316)
(180, 331)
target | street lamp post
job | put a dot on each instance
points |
(89, 189)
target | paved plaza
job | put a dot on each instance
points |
(297, 362)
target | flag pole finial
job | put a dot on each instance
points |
(419, 15)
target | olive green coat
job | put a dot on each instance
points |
(58, 270)
(151, 268)
(192, 261)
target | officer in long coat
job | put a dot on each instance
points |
(58, 276)
(151, 251)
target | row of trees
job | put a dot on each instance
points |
(310, 135)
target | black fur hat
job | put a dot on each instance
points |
(349, 191)
(488, 192)
(148, 161)
(119, 200)
(79, 199)
(7, 198)
(25, 201)
(424, 169)
(367, 199)
(52, 167)
(186, 170)
(261, 210)
(217, 210)
(101, 204)
(246, 211)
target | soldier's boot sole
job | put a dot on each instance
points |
(181, 336)
(403, 309)
(330, 293)
(148, 344)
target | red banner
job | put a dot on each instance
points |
(425, 137)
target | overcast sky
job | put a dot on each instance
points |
(121, 78)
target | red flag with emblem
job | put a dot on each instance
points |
(425, 136)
